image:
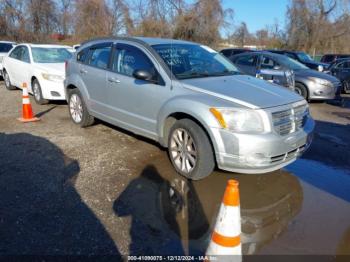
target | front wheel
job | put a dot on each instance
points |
(77, 109)
(301, 90)
(37, 93)
(346, 87)
(190, 150)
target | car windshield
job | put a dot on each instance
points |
(290, 63)
(50, 55)
(5, 47)
(304, 57)
(194, 61)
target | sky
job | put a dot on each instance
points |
(257, 13)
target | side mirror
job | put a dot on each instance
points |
(142, 75)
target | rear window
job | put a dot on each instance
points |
(245, 60)
(226, 52)
(4, 47)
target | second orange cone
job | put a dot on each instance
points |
(27, 112)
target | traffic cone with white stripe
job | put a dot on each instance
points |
(225, 242)
(27, 112)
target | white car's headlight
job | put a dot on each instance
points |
(320, 68)
(239, 120)
(51, 77)
(320, 81)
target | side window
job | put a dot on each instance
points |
(268, 63)
(16, 53)
(99, 56)
(128, 58)
(247, 60)
(340, 66)
(82, 55)
(346, 65)
(25, 55)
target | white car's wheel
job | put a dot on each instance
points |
(7, 80)
(38, 95)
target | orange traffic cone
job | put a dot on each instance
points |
(225, 242)
(27, 112)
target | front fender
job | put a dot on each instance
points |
(195, 108)
(75, 80)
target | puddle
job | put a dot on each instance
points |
(282, 212)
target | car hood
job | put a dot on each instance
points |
(52, 68)
(305, 73)
(244, 90)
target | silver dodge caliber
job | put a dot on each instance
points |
(190, 99)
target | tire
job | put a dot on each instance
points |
(78, 110)
(37, 93)
(7, 80)
(301, 90)
(199, 159)
(346, 86)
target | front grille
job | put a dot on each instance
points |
(290, 120)
(287, 156)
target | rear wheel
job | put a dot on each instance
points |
(38, 95)
(7, 80)
(190, 150)
(301, 90)
(78, 110)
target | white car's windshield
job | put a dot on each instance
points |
(50, 55)
(193, 61)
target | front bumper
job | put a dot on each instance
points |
(260, 153)
(324, 92)
(52, 90)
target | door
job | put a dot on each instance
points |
(93, 73)
(271, 71)
(18, 65)
(136, 103)
(342, 70)
(24, 68)
(247, 64)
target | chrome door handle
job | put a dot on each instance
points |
(113, 80)
(83, 71)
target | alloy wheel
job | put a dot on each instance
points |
(76, 108)
(36, 91)
(183, 150)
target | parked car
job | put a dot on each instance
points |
(5, 47)
(191, 100)
(341, 69)
(310, 84)
(229, 52)
(330, 58)
(268, 71)
(42, 67)
(76, 47)
(303, 58)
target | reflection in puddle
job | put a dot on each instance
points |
(161, 199)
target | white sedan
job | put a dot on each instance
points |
(42, 67)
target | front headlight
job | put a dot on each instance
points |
(239, 120)
(320, 81)
(51, 77)
(320, 68)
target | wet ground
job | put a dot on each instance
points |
(101, 190)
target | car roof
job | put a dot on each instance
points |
(7, 42)
(141, 40)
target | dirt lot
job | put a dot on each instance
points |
(101, 190)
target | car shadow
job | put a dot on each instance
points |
(41, 213)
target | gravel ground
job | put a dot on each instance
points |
(101, 190)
